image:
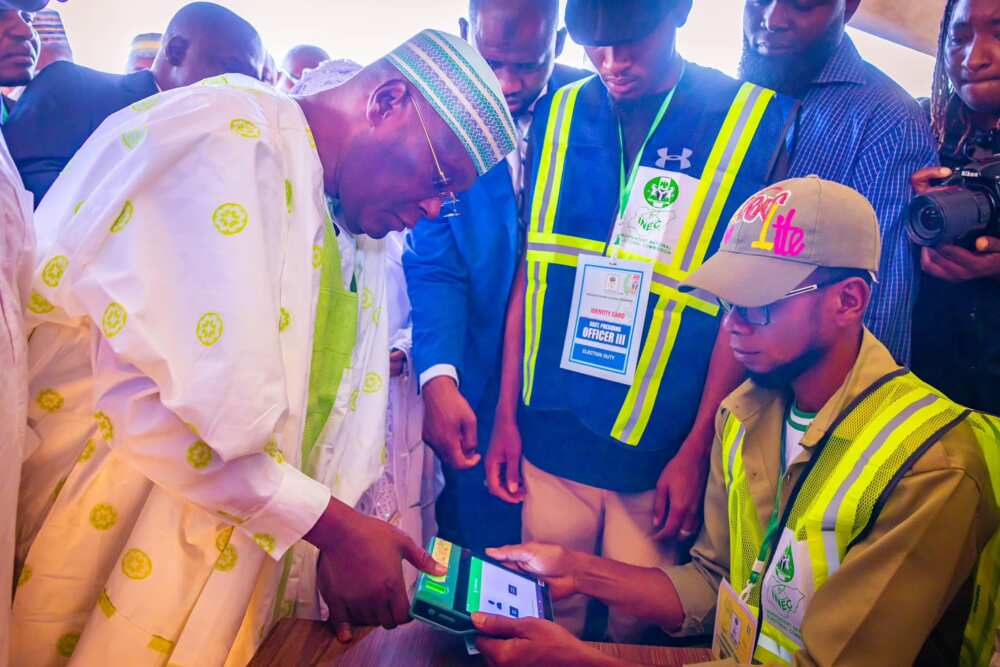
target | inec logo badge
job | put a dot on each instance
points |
(785, 568)
(661, 192)
(786, 599)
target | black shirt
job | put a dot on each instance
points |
(956, 326)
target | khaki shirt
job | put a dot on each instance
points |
(893, 588)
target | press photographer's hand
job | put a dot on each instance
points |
(956, 264)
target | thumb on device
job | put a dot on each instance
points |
(420, 559)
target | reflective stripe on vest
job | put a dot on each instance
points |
(545, 247)
(870, 447)
(984, 617)
(543, 217)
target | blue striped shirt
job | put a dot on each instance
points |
(859, 128)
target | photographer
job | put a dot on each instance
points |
(956, 346)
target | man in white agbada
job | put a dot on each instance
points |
(211, 359)
(17, 244)
(411, 480)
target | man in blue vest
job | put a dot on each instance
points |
(459, 271)
(611, 375)
(848, 500)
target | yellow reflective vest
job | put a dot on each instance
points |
(837, 500)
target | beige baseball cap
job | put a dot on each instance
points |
(782, 234)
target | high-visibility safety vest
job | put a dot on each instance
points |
(837, 499)
(984, 617)
(717, 142)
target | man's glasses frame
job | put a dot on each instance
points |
(449, 201)
(760, 316)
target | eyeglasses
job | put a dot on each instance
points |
(449, 201)
(760, 316)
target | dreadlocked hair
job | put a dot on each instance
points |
(942, 95)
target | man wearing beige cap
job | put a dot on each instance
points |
(837, 477)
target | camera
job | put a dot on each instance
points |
(966, 206)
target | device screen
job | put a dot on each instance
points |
(497, 590)
(474, 584)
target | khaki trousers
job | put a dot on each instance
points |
(585, 518)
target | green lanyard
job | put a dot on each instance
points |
(773, 524)
(626, 187)
(3, 112)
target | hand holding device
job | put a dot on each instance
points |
(475, 583)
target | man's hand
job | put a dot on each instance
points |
(532, 642)
(450, 424)
(556, 564)
(360, 574)
(397, 363)
(503, 462)
(680, 495)
(957, 265)
(923, 180)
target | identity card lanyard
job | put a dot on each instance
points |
(773, 526)
(625, 186)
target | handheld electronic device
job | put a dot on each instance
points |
(475, 583)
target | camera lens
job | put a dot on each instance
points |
(946, 215)
(931, 220)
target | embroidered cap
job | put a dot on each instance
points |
(462, 89)
(782, 234)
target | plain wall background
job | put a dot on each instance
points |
(100, 31)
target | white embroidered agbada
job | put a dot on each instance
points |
(178, 388)
(17, 244)
(176, 284)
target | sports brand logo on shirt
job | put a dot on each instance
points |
(683, 159)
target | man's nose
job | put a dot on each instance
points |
(775, 18)
(733, 322)
(510, 83)
(431, 208)
(616, 60)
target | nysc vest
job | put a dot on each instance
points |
(838, 498)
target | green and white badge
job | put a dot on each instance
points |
(652, 222)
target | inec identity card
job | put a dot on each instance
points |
(735, 627)
(607, 317)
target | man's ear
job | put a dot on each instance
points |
(560, 41)
(176, 50)
(463, 28)
(386, 101)
(850, 8)
(853, 298)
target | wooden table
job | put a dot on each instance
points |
(298, 643)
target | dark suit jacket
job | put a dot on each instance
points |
(459, 274)
(59, 110)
